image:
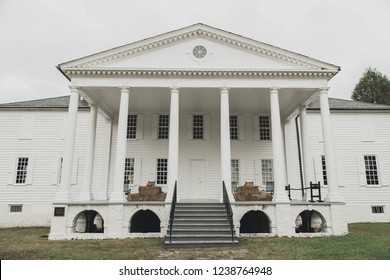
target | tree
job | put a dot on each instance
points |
(373, 87)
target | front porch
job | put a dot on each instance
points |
(187, 121)
(151, 219)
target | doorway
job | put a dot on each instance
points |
(198, 179)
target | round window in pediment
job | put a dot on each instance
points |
(199, 51)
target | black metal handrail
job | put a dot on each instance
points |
(172, 213)
(312, 187)
(228, 207)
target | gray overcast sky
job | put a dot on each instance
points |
(37, 35)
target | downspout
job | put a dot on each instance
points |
(299, 155)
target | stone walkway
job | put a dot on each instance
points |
(221, 253)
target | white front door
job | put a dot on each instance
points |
(198, 179)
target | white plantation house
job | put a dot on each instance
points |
(197, 112)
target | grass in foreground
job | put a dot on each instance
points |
(368, 241)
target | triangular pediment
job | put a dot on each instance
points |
(223, 51)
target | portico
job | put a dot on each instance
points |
(199, 93)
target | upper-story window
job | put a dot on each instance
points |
(198, 127)
(264, 128)
(163, 126)
(132, 127)
(233, 120)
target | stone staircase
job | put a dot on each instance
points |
(199, 225)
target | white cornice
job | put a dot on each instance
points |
(203, 73)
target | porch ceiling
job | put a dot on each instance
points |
(242, 100)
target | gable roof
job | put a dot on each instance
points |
(97, 64)
(48, 103)
(342, 104)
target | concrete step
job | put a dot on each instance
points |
(203, 243)
(197, 231)
(199, 238)
(200, 224)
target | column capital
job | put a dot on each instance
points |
(224, 89)
(124, 88)
(274, 89)
(174, 89)
(324, 90)
(74, 88)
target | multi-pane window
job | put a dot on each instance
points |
(265, 128)
(324, 176)
(233, 127)
(131, 126)
(267, 171)
(21, 170)
(15, 208)
(162, 171)
(129, 171)
(163, 126)
(371, 167)
(198, 127)
(235, 170)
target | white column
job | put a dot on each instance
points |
(101, 194)
(330, 159)
(120, 154)
(173, 148)
(307, 161)
(66, 175)
(86, 194)
(225, 142)
(277, 148)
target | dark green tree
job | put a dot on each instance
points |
(373, 87)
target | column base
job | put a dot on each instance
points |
(283, 198)
(334, 198)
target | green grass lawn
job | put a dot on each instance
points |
(369, 241)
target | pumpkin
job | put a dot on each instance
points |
(150, 184)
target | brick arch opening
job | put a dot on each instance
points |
(89, 221)
(145, 221)
(310, 221)
(254, 222)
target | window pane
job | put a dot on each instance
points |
(264, 125)
(370, 163)
(324, 176)
(163, 127)
(233, 127)
(235, 170)
(267, 171)
(131, 126)
(198, 127)
(21, 171)
(162, 171)
(129, 171)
